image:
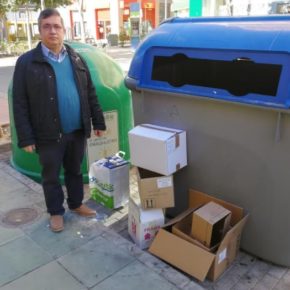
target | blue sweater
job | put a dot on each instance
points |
(68, 96)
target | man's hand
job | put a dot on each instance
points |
(99, 133)
(29, 148)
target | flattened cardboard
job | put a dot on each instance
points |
(156, 191)
(158, 149)
(182, 254)
(191, 258)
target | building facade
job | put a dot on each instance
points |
(105, 17)
(131, 18)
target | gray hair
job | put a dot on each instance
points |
(47, 13)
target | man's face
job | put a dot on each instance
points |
(52, 33)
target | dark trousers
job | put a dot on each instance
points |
(69, 153)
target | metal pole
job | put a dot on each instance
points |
(165, 9)
(28, 28)
(42, 4)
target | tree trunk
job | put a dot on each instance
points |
(42, 4)
(81, 4)
(29, 41)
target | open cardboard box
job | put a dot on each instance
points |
(191, 258)
(210, 223)
(182, 228)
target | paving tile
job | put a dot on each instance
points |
(9, 234)
(135, 276)
(50, 276)
(78, 231)
(96, 261)
(17, 175)
(175, 277)
(124, 233)
(284, 282)
(172, 275)
(153, 262)
(282, 286)
(228, 280)
(277, 271)
(249, 280)
(19, 198)
(18, 257)
(122, 244)
(120, 225)
(194, 286)
(241, 265)
(8, 184)
(268, 282)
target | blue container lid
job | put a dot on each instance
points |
(250, 56)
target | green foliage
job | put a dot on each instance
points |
(14, 48)
(6, 5)
(123, 36)
(53, 3)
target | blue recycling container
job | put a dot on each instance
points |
(226, 82)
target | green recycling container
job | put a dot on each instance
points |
(116, 103)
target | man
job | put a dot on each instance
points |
(54, 104)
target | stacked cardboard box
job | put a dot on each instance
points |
(158, 149)
(156, 191)
(157, 152)
(143, 224)
(202, 241)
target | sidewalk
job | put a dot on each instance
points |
(4, 116)
(88, 254)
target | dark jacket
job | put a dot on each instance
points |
(35, 103)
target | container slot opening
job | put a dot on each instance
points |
(239, 77)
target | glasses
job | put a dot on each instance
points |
(49, 27)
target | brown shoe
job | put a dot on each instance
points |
(85, 211)
(56, 223)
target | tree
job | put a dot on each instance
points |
(42, 3)
(4, 7)
(27, 5)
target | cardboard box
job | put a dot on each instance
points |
(192, 258)
(183, 230)
(109, 181)
(156, 191)
(210, 223)
(143, 224)
(158, 149)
